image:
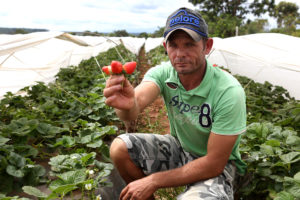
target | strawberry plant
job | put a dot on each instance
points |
(63, 118)
(157, 55)
(74, 171)
(273, 157)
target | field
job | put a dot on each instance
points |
(58, 135)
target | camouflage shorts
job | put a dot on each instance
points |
(153, 153)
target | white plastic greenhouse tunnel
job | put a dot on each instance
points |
(26, 59)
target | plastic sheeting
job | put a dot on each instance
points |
(262, 57)
(25, 59)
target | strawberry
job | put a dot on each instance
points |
(107, 70)
(116, 67)
(129, 67)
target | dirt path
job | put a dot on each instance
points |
(154, 118)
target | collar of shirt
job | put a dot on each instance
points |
(201, 90)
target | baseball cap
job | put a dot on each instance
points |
(187, 20)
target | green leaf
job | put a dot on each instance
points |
(13, 171)
(264, 171)
(293, 140)
(55, 184)
(49, 131)
(65, 189)
(73, 177)
(287, 133)
(297, 176)
(266, 149)
(283, 195)
(291, 157)
(95, 144)
(88, 159)
(26, 150)
(3, 140)
(273, 143)
(21, 127)
(295, 190)
(34, 191)
(65, 141)
(85, 139)
(16, 160)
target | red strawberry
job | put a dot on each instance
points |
(107, 70)
(129, 67)
(116, 67)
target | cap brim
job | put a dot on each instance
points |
(195, 36)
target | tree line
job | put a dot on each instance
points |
(224, 17)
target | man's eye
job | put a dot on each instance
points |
(172, 45)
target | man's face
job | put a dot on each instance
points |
(186, 55)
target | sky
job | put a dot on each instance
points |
(93, 15)
(134, 16)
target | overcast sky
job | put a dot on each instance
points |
(134, 16)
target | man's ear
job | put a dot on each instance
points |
(165, 45)
(209, 44)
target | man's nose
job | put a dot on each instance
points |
(180, 52)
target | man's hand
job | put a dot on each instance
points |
(119, 93)
(140, 189)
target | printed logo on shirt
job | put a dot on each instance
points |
(204, 110)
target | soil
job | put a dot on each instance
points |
(154, 117)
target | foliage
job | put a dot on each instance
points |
(65, 118)
(273, 158)
(286, 14)
(237, 9)
(119, 33)
(74, 171)
(157, 55)
(222, 16)
(223, 26)
(255, 26)
(159, 32)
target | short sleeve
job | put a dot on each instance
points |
(158, 75)
(230, 113)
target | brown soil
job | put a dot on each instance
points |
(154, 118)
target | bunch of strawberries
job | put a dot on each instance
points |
(116, 67)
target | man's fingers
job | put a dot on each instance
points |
(123, 193)
(107, 92)
(114, 80)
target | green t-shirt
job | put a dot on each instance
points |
(217, 105)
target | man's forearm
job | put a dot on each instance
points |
(128, 115)
(199, 169)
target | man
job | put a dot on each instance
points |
(207, 114)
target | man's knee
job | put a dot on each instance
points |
(118, 150)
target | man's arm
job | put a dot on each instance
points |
(211, 165)
(145, 94)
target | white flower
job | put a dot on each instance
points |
(73, 157)
(91, 172)
(264, 160)
(88, 186)
(256, 157)
(99, 197)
